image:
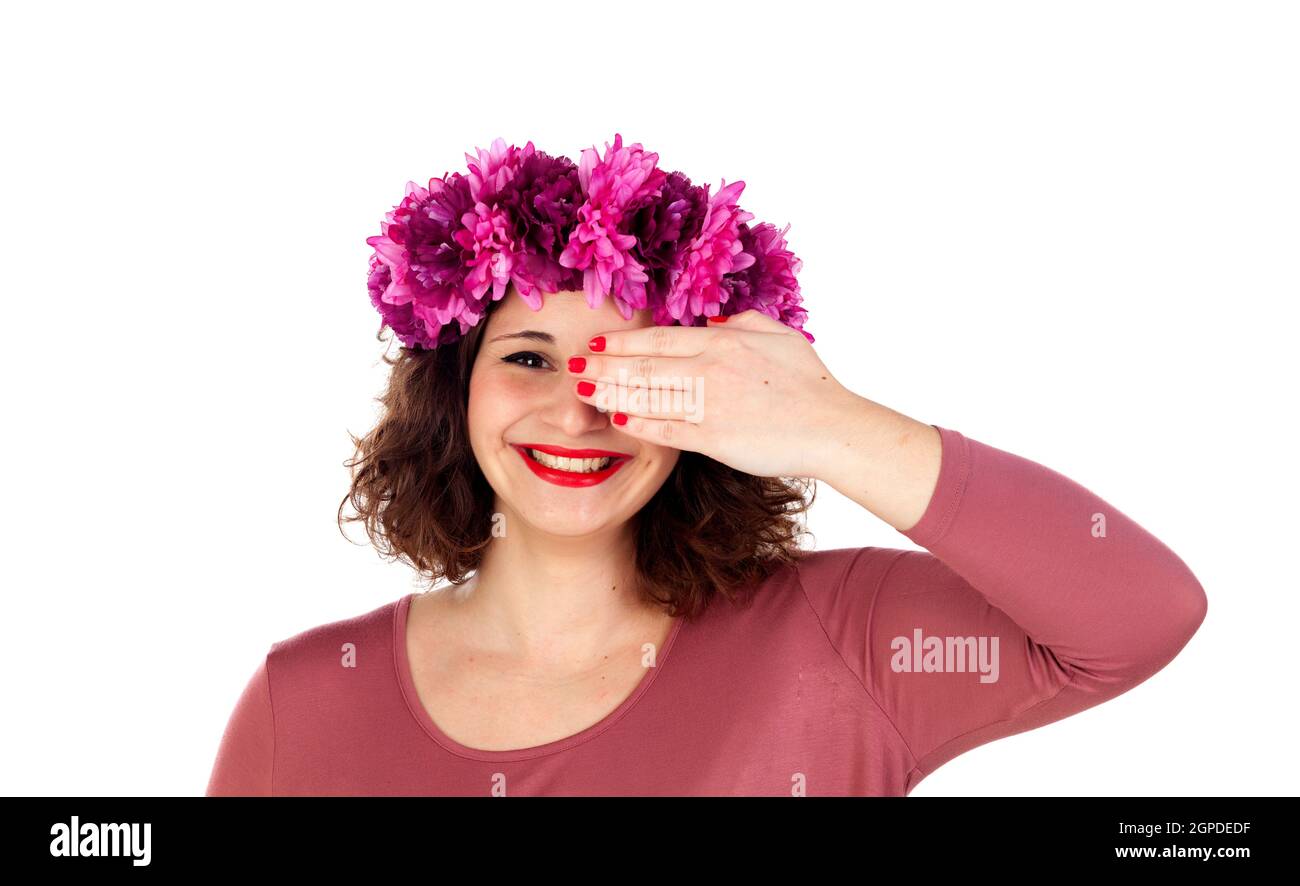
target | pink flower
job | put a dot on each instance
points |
(487, 232)
(615, 186)
(492, 169)
(486, 236)
(696, 290)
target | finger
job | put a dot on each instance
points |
(667, 373)
(657, 341)
(671, 405)
(752, 320)
(677, 434)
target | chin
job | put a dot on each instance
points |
(566, 524)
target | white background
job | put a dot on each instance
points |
(1066, 230)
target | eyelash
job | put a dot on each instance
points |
(511, 358)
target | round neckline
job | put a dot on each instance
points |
(406, 682)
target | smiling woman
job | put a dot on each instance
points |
(445, 457)
(628, 609)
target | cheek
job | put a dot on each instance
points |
(661, 459)
(498, 399)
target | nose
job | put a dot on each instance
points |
(570, 416)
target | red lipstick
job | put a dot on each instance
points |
(570, 478)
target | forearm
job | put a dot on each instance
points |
(885, 461)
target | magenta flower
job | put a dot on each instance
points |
(599, 245)
(768, 285)
(612, 226)
(662, 227)
(426, 264)
(696, 291)
(397, 317)
(494, 168)
(488, 231)
(486, 236)
(542, 199)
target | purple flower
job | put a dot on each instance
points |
(427, 265)
(769, 285)
(542, 201)
(664, 226)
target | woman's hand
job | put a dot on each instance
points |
(749, 392)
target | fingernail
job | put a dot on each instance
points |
(620, 418)
(718, 319)
(577, 364)
(597, 343)
(586, 388)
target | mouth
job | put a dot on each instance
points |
(570, 467)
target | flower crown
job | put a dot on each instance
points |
(613, 226)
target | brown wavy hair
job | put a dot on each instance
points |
(418, 489)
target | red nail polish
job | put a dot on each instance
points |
(577, 364)
(586, 388)
(597, 343)
(718, 319)
(620, 418)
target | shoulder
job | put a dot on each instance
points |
(858, 572)
(352, 642)
(818, 577)
(836, 584)
(825, 574)
(848, 588)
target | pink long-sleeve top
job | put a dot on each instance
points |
(858, 671)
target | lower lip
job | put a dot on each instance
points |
(568, 478)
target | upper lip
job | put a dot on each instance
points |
(572, 453)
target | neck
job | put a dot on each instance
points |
(559, 602)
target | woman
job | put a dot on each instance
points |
(595, 424)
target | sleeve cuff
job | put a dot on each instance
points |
(954, 470)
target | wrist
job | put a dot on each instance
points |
(854, 428)
(882, 459)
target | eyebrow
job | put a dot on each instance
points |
(532, 334)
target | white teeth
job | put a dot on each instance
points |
(573, 465)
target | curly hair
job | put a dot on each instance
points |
(418, 489)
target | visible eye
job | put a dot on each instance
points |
(522, 356)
